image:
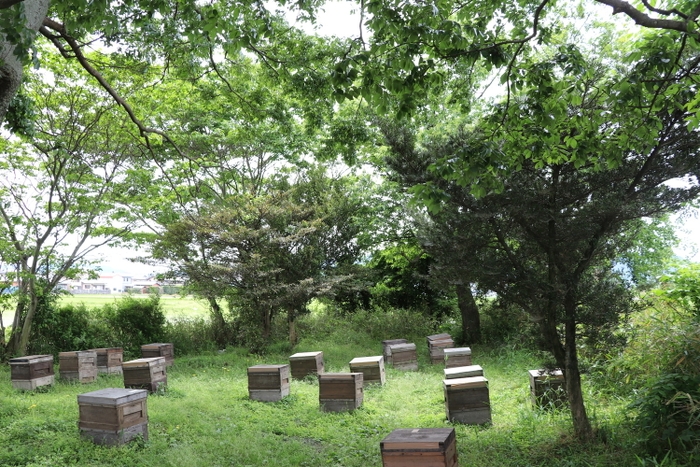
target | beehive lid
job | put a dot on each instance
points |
(265, 368)
(418, 439)
(402, 347)
(155, 345)
(112, 396)
(304, 355)
(394, 341)
(143, 362)
(463, 371)
(326, 377)
(76, 353)
(366, 361)
(31, 359)
(106, 349)
(542, 374)
(458, 351)
(466, 383)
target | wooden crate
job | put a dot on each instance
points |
(145, 373)
(458, 356)
(463, 372)
(437, 343)
(78, 366)
(268, 383)
(404, 357)
(548, 388)
(372, 369)
(109, 360)
(159, 349)
(386, 348)
(467, 400)
(339, 392)
(113, 416)
(420, 447)
(30, 372)
(303, 364)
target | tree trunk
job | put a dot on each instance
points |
(217, 315)
(11, 67)
(471, 321)
(291, 320)
(582, 425)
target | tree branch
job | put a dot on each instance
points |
(644, 20)
(5, 4)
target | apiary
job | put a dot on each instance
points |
(548, 388)
(268, 383)
(109, 360)
(457, 356)
(113, 416)
(30, 372)
(145, 373)
(386, 348)
(467, 400)
(437, 344)
(78, 366)
(159, 349)
(404, 356)
(420, 447)
(340, 392)
(372, 369)
(303, 364)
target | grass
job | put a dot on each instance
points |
(205, 418)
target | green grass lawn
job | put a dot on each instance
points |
(175, 307)
(205, 418)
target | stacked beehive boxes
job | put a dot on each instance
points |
(78, 366)
(458, 356)
(113, 416)
(420, 447)
(109, 360)
(303, 364)
(463, 372)
(372, 369)
(437, 344)
(159, 349)
(404, 357)
(339, 392)
(467, 400)
(268, 383)
(386, 348)
(30, 372)
(145, 373)
(548, 388)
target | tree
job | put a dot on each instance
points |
(553, 185)
(61, 194)
(268, 253)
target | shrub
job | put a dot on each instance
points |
(59, 329)
(136, 322)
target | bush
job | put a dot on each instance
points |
(190, 336)
(61, 329)
(135, 322)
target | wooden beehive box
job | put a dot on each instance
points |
(463, 372)
(548, 388)
(437, 343)
(372, 369)
(404, 356)
(30, 372)
(338, 392)
(303, 364)
(159, 349)
(420, 447)
(78, 366)
(458, 356)
(145, 373)
(467, 400)
(113, 416)
(386, 348)
(268, 383)
(109, 360)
